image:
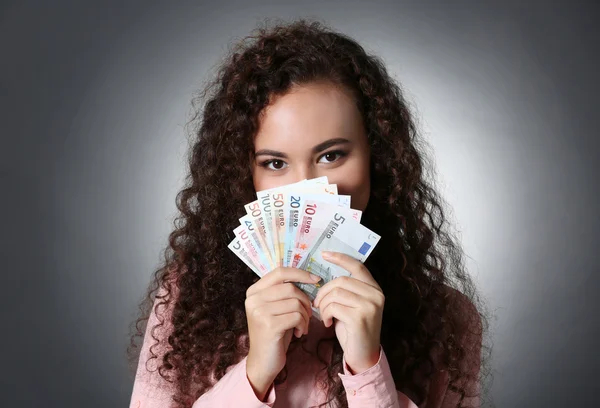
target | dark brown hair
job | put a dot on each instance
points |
(433, 318)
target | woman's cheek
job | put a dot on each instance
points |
(260, 181)
(266, 181)
(354, 181)
(357, 190)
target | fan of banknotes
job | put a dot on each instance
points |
(290, 225)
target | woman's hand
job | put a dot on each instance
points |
(275, 308)
(357, 305)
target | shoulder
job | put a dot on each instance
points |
(467, 313)
(149, 383)
(159, 325)
(469, 325)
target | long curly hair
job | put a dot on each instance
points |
(433, 320)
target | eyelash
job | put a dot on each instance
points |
(339, 153)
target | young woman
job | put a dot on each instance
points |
(299, 101)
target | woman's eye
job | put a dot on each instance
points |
(330, 157)
(276, 164)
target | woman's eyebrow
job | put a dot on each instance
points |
(267, 152)
(318, 148)
(328, 143)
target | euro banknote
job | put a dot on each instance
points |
(290, 225)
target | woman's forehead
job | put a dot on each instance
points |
(307, 116)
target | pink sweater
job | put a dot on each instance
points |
(372, 388)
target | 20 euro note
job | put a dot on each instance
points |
(294, 201)
(256, 227)
(280, 219)
(341, 235)
(243, 235)
(276, 210)
(262, 210)
(236, 247)
(250, 225)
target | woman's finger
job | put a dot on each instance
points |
(281, 275)
(356, 268)
(288, 321)
(348, 283)
(285, 291)
(343, 297)
(343, 313)
(271, 310)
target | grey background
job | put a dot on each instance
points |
(93, 100)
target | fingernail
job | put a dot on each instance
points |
(314, 277)
(326, 254)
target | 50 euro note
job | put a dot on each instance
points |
(265, 206)
(257, 221)
(344, 235)
(273, 203)
(262, 210)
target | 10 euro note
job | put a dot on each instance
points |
(294, 203)
(290, 225)
(242, 233)
(315, 217)
(271, 203)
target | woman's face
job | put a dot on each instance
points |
(314, 130)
